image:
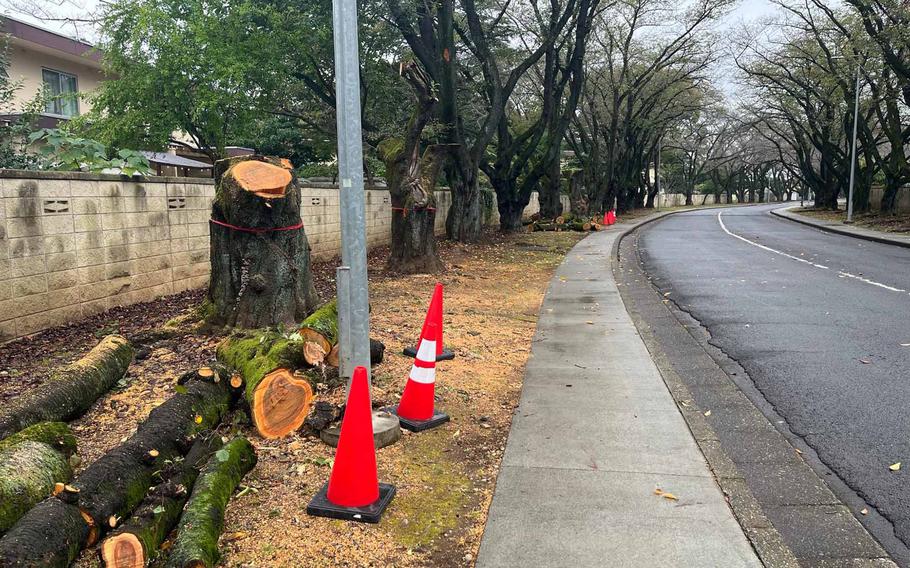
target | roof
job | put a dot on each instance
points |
(49, 40)
(172, 160)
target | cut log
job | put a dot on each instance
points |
(586, 226)
(278, 400)
(334, 357)
(137, 541)
(113, 485)
(52, 537)
(71, 390)
(196, 544)
(321, 327)
(595, 226)
(260, 256)
(32, 463)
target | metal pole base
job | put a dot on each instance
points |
(446, 355)
(320, 506)
(438, 419)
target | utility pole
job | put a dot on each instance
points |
(353, 307)
(853, 158)
(657, 174)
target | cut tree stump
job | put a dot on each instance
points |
(71, 390)
(136, 542)
(112, 486)
(259, 251)
(196, 544)
(32, 462)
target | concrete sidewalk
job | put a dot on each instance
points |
(842, 228)
(596, 432)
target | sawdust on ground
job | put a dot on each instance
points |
(886, 223)
(444, 478)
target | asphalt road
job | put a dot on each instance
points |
(817, 320)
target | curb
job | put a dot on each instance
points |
(784, 213)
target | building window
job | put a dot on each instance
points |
(60, 90)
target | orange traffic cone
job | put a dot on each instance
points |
(353, 491)
(416, 410)
(434, 315)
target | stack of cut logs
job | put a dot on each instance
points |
(172, 479)
(567, 222)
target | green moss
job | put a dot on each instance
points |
(324, 320)
(256, 355)
(203, 519)
(390, 148)
(429, 508)
(57, 435)
(28, 472)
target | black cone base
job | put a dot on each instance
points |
(438, 419)
(320, 506)
(446, 355)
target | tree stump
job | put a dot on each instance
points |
(259, 251)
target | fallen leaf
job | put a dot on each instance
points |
(865, 361)
(589, 322)
(864, 512)
(895, 466)
(799, 451)
(707, 413)
(667, 294)
(670, 496)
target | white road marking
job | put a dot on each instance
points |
(804, 261)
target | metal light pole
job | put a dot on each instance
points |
(355, 307)
(853, 158)
(657, 174)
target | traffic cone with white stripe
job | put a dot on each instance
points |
(353, 492)
(416, 409)
(434, 315)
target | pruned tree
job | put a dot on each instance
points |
(411, 178)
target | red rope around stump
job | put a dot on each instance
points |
(257, 231)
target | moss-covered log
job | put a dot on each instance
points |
(196, 544)
(321, 328)
(259, 251)
(71, 390)
(136, 542)
(111, 487)
(31, 463)
(279, 401)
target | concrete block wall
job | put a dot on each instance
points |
(74, 244)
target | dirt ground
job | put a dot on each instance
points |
(885, 223)
(445, 477)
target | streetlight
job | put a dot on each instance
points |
(853, 149)
(353, 306)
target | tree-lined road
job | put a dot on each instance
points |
(821, 322)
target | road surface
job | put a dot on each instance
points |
(821, 322)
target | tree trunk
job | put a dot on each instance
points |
(464, 222)
(135, 543)
(510, 212)
(31, 463)
(196, 544)
(413, 249)
(550, 204)
(111, 487)
(889, 197)
(70, 391)
(259, 251)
